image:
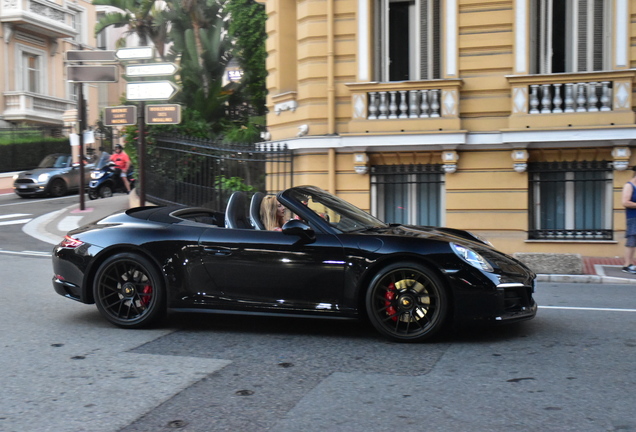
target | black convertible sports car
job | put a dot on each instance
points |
(330, 260)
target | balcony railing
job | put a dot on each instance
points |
(405, 106)
(49, 18)
(34, 107)
(606, 95)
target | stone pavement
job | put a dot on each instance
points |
(52, 227)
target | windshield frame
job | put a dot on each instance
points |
(351, 219)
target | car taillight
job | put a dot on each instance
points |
(71, 243)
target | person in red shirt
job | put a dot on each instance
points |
(122, 163)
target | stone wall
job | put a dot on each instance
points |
(552, 263)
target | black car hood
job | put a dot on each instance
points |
(429, 232)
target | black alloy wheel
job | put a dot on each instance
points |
(407, 302)
(92, 194)
(58, 188)
(129, 291)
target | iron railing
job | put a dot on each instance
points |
(197, 172)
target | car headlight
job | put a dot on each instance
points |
(96, 175)
(471, 257)
(15, 176)
(43, 178)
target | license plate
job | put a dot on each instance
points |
(22, 186)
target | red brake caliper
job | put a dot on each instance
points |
(145, 300)
(389, 296)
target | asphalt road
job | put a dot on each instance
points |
(63, 368)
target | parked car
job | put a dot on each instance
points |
(330, 260)
(56, 175)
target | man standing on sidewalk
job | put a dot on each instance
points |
(629, 202)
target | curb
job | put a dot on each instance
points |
(592, 279)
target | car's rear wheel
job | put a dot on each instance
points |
(58, 188)
(129, 291)
(105, 191)
(407, 302)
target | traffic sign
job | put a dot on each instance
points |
(90, 56)
(137, 53)
(92, 73)
(150, 90)
(151, 69)
(120, 115)
(163, 114)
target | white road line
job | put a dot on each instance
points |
(15, 222)
(27, 253)
(14, 215)
(588, 308)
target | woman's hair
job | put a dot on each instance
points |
(269, 208)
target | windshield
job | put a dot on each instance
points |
(341, 215)
(55, 161)
(103, 160)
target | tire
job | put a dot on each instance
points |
(129, 291)
(105, 191)
(407, 302)
(58, 188)
(92, 194)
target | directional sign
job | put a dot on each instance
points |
(163, 114)
(150, 90)
(151, 69)
(138, 53)
(90, 56)
(120, 115)
(92, 73)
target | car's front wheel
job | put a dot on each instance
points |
(129, 291)
(58, 188)
(407, 302)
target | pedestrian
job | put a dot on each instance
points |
(122, 164)
(629, 202)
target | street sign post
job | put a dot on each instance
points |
(136, 53)
(109, 73)
(150, 90)
(151, 69)
(120, 115)
(90, 56)
(163, 114)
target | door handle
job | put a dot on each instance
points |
(216, 251)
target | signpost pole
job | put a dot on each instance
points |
(81, 110)
(141, 154)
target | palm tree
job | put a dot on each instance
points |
(143, 18)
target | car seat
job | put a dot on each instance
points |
(236, 211)
(255, 211)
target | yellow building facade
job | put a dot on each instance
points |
(513, 119)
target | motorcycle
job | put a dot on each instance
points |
(105, 179)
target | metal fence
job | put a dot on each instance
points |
(196, 172)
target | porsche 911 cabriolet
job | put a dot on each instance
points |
(331, 259)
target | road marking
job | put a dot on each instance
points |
(14, 215)
(587, 308)
(27, 253)
(68, 223)
(15, 222)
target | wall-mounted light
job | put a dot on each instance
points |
(520, 160)
(621, 157)
(361, 163)
(449, 159)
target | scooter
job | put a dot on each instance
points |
(105, 179)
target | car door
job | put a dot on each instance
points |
(270, 270)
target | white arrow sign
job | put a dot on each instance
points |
(151, 69)
(135, 53)
(150, 90)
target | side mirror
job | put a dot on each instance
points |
(298, 228)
